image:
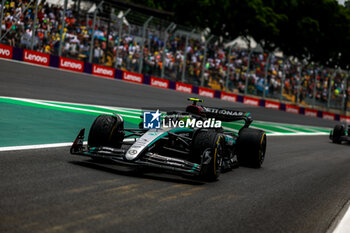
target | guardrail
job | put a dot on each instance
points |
(49, 60)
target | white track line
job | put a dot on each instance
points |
(344, 224)
(298, 134)
(67, 107)
(31, 147)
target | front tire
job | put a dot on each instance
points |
(251, 147)
(338, 132)
(204, 141)
(106, 130)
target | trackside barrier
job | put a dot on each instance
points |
(44, 59)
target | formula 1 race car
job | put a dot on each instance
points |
(188, 151)
(340, 133)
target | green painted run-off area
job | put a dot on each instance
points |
(32, 122)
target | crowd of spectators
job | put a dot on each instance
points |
(222, 71)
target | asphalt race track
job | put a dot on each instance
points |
(302, 187)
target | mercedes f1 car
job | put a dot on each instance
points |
(340, 133)
(187, 151)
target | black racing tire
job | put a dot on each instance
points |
(251, 147)
(338, 132)
(106, 130)
(204, 140)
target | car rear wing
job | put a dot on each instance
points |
(221, 114)
(227, 115)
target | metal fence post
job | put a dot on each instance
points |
(185, 57)
(298, 85)
(92, 43)
(62, 27)
(283, 78)
(343, 104)
(266, 70)
(145, 25)
(170, 27)
(2, 16)
(228, 73)
(248, 70)
(120, 36)
(330, 90)
(33, 26)
(205, 57)
(314, 90)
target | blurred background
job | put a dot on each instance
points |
(292, 51)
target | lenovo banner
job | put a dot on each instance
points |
(251, 101)
(182, 87)
(159, 82)
(292, 109)
(345, 119)
(228, 97)
(310, 112)
(70, 64)
(36, 57)
(206, 92)
(6, 51)
(103, 71)
(132, 77)
(328, 116)
(272, 105)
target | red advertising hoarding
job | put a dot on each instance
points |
(132, 77)
(272, 104)
(36, 57)
(328, 116)
(251, 101)
(70, 64)
(228, 97)
(206, 92)
(345, 119)
(6, 51)
(310, 112)
(292, 109)
(183, 87)
(103, 71)
(159, 82)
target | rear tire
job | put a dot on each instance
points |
(251, 147)
(106, 130)
(338, 132)
(204, 140)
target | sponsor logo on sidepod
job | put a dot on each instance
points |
(133, 78)
(100, 70)
(35, 58)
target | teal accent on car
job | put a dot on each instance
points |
(175, 130)
(181, 130)
(229, 139)
(194, 167)
(160, 136)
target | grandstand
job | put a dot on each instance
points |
(124, 40)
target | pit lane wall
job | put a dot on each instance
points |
(48, 60)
